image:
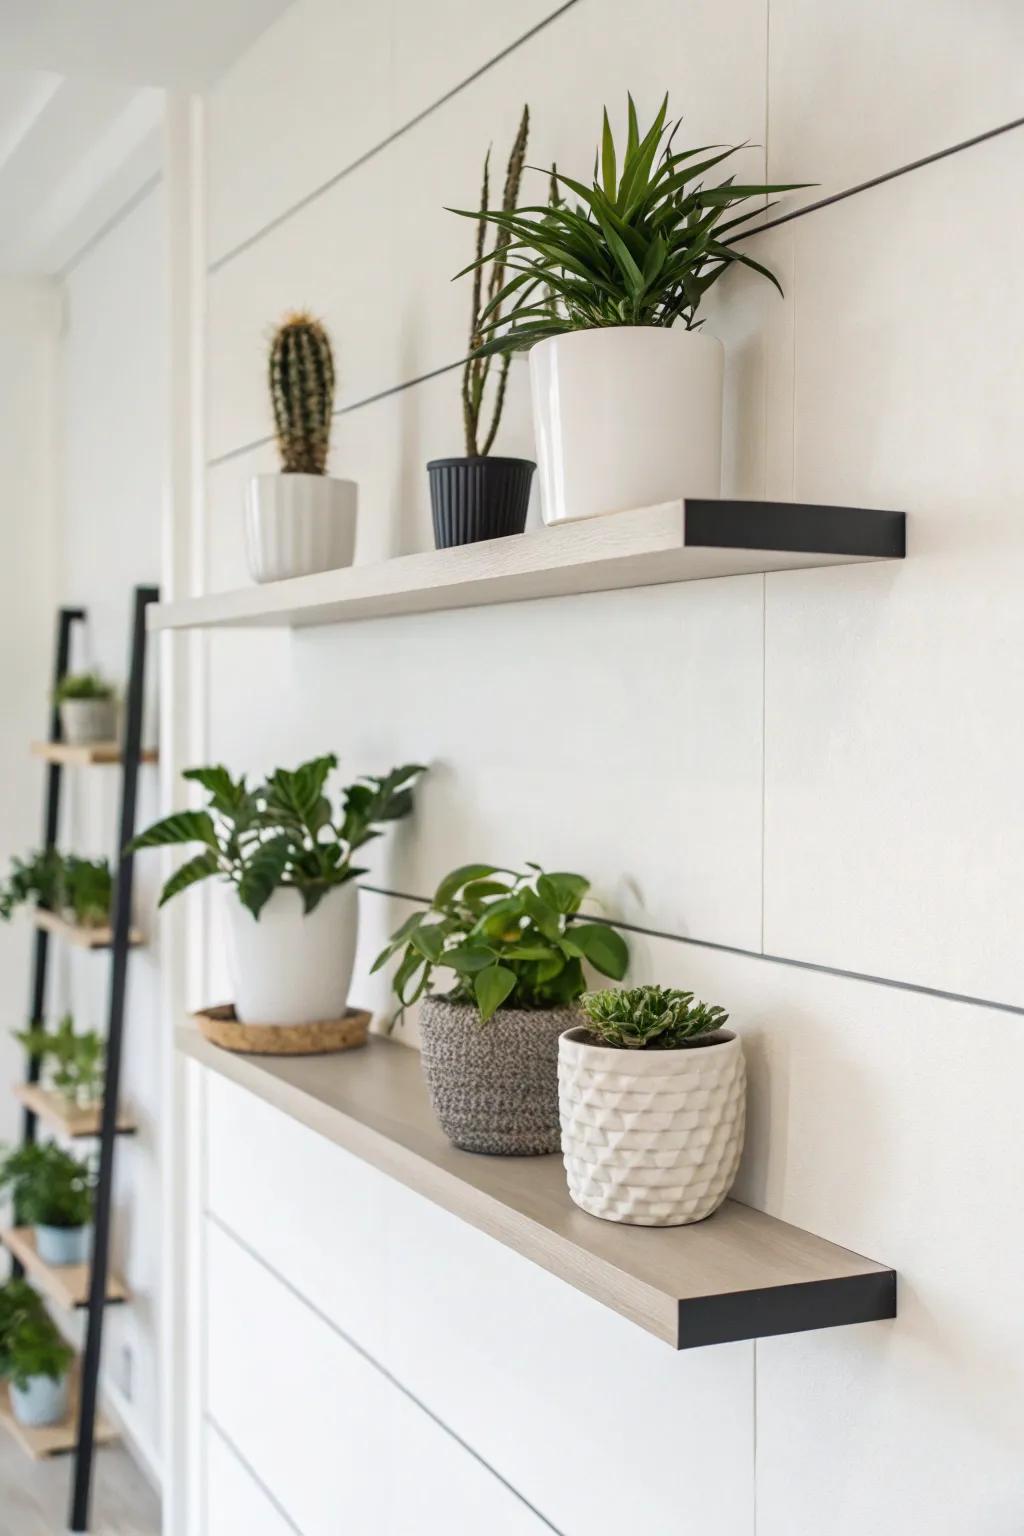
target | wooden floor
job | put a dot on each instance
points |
(34, 1495)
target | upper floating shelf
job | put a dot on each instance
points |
(738, 1275)
(77, 933)
(678, 541)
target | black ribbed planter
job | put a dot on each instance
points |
(474, 499)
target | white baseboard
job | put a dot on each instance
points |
(139, 1443)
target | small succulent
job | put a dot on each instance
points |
(302, 393)
(82, 685)
(649, 1018)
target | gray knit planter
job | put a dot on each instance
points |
(494, 1086)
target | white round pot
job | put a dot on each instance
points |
(287, 968)
(651, 1137)
(42, 1400)
(626, 416)
(297, 524)
(86, 720)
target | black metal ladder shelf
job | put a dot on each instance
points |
(100, 1288)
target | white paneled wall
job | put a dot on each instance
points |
(823, 767)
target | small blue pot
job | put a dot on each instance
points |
(63, 1245)
(43, 1401)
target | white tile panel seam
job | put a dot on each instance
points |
(227, 1441)
(759, 954)
(371, 1360)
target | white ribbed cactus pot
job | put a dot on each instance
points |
(651, 1137)
(298, 524)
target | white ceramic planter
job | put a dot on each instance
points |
(652, 1138)
(83, 721)
(297, 524)
(287, 968)
(626, 416)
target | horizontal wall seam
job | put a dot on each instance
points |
(785, 218)
(137, 197)
(382, 1370)
(369, 154)
(770, 959)
(244, 1461)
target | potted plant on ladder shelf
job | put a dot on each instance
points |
(53, 1194)
(483, 496)
(34, 1359)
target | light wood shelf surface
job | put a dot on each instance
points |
(52, 1439)
(67, 1285)
(68, 755)
(677, 541)
(68, 1119)
(741, 1274)
(73, 933)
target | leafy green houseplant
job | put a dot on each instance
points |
(34, 1358)
(482, 496)
(82, 889)
(302, 520)
(71, 1060)
(287, 858)
(605, 288)
(86, 705)
(668, 1058)
(53, 1193)
(515, 944)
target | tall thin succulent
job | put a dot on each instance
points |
(302, 393)
(477, 369)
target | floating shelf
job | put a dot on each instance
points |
(74, 933)
(70, 1120)
(678, 541)
(67, 755)
(738, 1275)
(52, 1439)
(68, 1284)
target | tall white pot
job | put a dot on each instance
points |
(287, 968)
(297, 524)
(651, 1137)
(626, 416)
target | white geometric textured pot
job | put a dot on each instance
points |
(651, 1137)
(626, 416)
(287, 968)
(296, 524)
(87, 720)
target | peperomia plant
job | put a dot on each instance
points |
(642, 245)
(50, 1188)
(649, 1018)
(58, 882)
(71, 1060)
(30, 1342)
(283, 832)
(509, 938)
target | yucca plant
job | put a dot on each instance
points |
(283, 832)
(642, 244)
(302, 393)
(649, 1018)
(486, 300)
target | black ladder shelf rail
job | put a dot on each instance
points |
(131, 756)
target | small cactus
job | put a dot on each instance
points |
(302, 393)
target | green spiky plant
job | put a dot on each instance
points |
(641, 245)
(71, 1061)
(477, 369)
(82, 685)
(50, 1188)
(280, 833)
(30, 1342)
(509, 938)
(649, 1018)
(301, 372)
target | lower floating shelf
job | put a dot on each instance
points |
(52, 1439)
(77, 934)
(738, 1275)
(68, 1119)
(67, 1285)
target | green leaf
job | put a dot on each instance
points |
(491, 987)
(467, 958)
(563, 891)
(454, 882)
(544, 916)
(225, 793)
(298, 794)
(603, 947)
(201, 867)
(181, 827)
(608, 171)
(412, 964)
(428, 940)
(478, 891)
(263, 873)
